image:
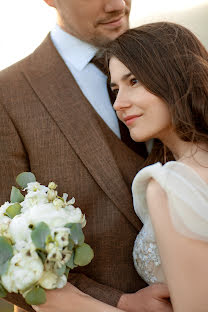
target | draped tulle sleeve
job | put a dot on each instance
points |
(187, 195)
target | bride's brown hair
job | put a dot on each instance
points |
(171, 63)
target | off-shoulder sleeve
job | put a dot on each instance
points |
(139, 187)
(187, 200)
(187, 197)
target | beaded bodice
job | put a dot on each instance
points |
(146, 256)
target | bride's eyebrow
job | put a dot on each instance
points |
(123, 78)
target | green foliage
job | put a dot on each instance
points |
(83, 255)
(67, 272)
(16, 196)
(6, 253)
(61, 270)
(40, 234)
(3, 291)
(4, 267)
(70, 244)
(13, 210)
(76, 233)
(24, 178)
(42, 256)
(70, 264)
(36, 296)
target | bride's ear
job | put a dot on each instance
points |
(50, 3)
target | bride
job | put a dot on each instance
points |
(159, 75)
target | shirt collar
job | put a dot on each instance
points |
(72, 50)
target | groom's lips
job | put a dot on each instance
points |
(113, 23)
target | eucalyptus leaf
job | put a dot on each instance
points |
(13, 210)
(67, 272)
(76, 233)
(42, 256)
(16, 196)
(70, 264)
(4, 267)
(3, 291)
(36, 296)
(6, 251)
(61, 270)
(24, 178)
(70, 244)
(40, 234)
(83, 255)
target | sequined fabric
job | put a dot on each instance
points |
(146, 256)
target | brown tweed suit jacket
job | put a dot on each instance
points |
(48, 127)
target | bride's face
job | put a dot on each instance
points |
(146, 115)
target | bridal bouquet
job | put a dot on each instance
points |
(41, 239)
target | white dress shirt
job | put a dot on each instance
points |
(77, 55)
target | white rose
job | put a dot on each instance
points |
(74, 214)
(50, 280)
(62, 281)
(49, 214)
(19, 229)
(25, 247)
(23, 272)
(33, 199)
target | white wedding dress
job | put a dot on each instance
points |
(187, 196)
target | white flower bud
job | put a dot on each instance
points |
(52, 185)
(61, 238)
(51, 194)
(58, 203)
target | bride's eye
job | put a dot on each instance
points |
(115, 91)
(133, 81)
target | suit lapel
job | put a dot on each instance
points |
(58, 91)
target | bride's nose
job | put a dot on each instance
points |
(122, 102)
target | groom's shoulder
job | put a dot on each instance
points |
(15, 72)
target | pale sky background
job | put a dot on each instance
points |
(25, 23)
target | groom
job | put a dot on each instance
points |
(56, 120)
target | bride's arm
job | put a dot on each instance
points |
(185, 261)
(71, 299)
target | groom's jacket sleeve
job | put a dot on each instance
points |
(13, 160)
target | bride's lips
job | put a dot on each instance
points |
(130, 119)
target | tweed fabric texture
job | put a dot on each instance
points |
(48, 127)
